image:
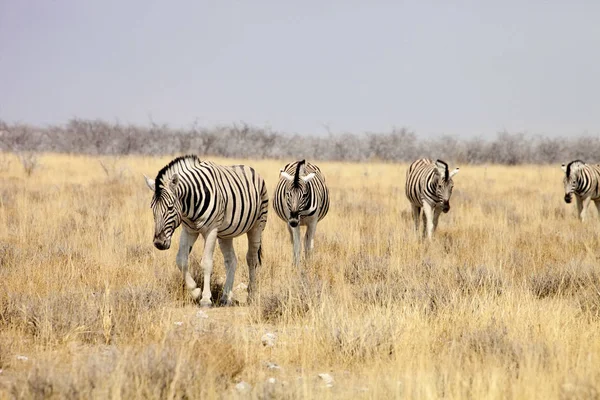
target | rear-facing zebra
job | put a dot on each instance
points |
(214, 201)
(583, 180)
(301, 198)
(429, 186)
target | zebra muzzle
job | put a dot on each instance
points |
(293, 223)
(568, 198)
(162, 243)
(446, 207)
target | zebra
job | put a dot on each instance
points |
(583, 180)
(217, 202)
(429, 187)
(301, 198)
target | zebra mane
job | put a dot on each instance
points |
(569, 167)
(446, 173)
(158, 181)
(297, 174)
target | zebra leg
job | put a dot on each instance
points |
(226, 246)
(436, 216)
(207, 264)
(428, 220)
(416, 211)
(295, 237)
(597, 202)
(186, 242)
(582, 205)
(309, 238)
(253, 258)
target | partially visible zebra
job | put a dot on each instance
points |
(429, 187)
(301, 198)
(214, 201)
(583, 180)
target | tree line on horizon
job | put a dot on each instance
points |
(98, 137)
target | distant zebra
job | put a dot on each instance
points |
(429, 186)
(214, 201)
(583, 180)
(301, 198)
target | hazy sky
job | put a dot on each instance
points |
(470, 68)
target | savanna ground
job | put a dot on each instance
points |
(505, 303)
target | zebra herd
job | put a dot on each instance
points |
(224, 202)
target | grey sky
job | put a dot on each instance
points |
(467, 68)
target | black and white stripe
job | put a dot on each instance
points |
(429, 187)
(217, 202)
(583, 181)
(301, 198)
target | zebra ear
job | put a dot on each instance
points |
(309, 177)
(149, 182)
(563, 167)
(174, 181)
(285, 175)
(454, 172)
(442, 167)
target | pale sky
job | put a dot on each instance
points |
(463, 68)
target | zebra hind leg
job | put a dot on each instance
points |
(253, 258)
(226, 246)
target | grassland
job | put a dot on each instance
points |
(505, 303)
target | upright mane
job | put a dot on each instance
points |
(297, 175)
(569, 167)
(158, 181)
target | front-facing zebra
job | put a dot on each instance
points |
(582, 180)
(216, 202)
(301, 198)
(429, 187)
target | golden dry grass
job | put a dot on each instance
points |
(505, 303)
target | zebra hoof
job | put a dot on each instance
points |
(205, 303)
(225, 302)
(196, 293)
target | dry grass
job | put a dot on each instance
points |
(505, 303)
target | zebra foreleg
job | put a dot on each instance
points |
(186, 242)
(582, 205)
(416, 211)
(253, 258)
(295, 237)
(207, 264)
(226, 246)
(597, 202)
(436, 217)
(309, 238)
(428, 220)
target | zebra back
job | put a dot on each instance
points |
(231, 198)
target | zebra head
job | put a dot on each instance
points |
(571, 178)
(297, 193)
(166, 208)
(444, 184)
